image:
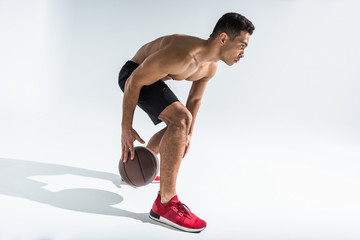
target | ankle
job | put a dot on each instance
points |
(165, 198)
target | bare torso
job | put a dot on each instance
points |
(181, 44)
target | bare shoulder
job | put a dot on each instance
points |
(178, 44)
(171, 54)
(187, 46)
(161, 60)
(212, 69)
(181, 46)
(175, 52)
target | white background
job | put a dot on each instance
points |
(276, 148)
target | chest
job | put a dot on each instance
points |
(192, 73)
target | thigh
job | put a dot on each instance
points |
(174, 113)
(155, 98)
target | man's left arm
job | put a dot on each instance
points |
(194, 99)
(196, 92)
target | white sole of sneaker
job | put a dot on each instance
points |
(158, 218)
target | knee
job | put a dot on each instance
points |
(182, 119)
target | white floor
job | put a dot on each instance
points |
(59, 181)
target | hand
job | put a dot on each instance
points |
(187, 145)
(128, 137)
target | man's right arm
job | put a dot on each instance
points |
(155, 67)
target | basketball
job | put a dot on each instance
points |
(142, 170)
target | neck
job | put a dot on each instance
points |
(209, 52)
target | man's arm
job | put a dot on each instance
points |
(194, 99)
(155, 67)
(196, 92)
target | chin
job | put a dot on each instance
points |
(229, 63)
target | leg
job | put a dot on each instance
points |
(154, 145)
(154, 142)
(172, 147)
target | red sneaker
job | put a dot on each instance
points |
(176, 214)
(156, 180)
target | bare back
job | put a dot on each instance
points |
(182, 46)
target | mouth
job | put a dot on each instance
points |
(236, 60)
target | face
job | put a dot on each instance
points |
(232, 51)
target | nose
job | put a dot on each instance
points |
(242, 54)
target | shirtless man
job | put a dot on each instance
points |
(177, 57)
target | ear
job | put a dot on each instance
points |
(222, 38)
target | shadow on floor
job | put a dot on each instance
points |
(14, 181)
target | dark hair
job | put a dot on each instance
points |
(232, 24)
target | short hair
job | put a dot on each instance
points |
(232, 24)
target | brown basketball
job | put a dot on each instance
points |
(142, 170)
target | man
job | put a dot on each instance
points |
(177, 57)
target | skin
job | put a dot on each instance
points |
(175, 57)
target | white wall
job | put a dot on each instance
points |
(300, 67)
(61, 60)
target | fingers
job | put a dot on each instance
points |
(126, 153)
(186, 150)
(122, 154)
(139, 138)
(132, 152)
(187, 145)
(123, 147)
(128, 145)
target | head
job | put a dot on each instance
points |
(232, 32)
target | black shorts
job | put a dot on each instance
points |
(153, 98)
